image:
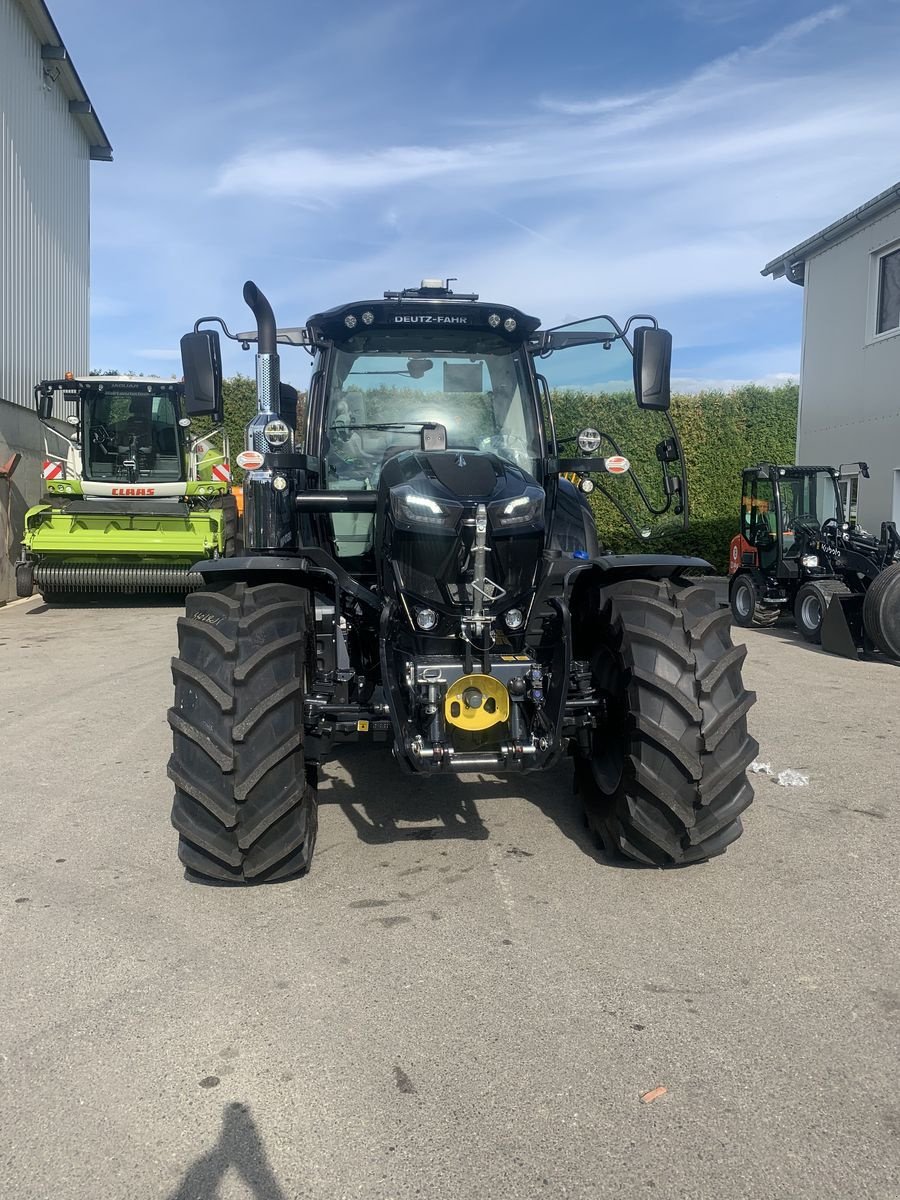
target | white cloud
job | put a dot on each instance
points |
(688, 385)
(590, 108)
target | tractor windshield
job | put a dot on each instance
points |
(592, 388)
(381, 389)
(131, 437)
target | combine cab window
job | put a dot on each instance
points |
(131, 437)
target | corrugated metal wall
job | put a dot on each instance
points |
(44, 219)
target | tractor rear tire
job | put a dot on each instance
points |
(881, 610)
(746, 609)
(245, 798)
(665, 780)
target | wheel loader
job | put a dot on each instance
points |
(797, 553)
(423, 577)
(133, 496)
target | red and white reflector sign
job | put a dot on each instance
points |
(249, 460)
(52, 470)
(222, 472)
(617, 465)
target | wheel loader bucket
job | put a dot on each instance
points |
(842, 626)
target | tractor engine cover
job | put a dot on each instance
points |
(426, 529)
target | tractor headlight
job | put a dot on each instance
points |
(809, 560)
(426, 618)
(514, 618)
(526, 509)
(412, 509)
(276, 433)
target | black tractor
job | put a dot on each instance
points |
(423, 576)
(796, 552)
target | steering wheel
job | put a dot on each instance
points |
(507, 445)
(101, 436)
(830, 524)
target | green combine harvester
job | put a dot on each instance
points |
(133, 495)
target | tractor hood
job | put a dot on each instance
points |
(430, 508)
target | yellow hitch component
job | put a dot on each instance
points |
(476, 702)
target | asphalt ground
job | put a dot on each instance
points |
(463, 999)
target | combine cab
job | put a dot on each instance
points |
(133, 497)
(796, 552)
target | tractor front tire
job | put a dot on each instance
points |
(665, 780)
(746, 609)
(245, 798)
(881, 610)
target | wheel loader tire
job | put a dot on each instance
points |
(245, 800)
(881, 610)
(745, 607)
(810, 605)
(665, 780)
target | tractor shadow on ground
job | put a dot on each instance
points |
(240, 1149)
(384, 804)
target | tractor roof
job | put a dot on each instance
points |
(430, 306)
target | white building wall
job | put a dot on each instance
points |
(850, 383)
(44, 219)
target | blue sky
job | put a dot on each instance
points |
(568, 158)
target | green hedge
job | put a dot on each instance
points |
(721, 432)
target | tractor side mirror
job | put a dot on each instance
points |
(287, 405)
(652, 367)
(45, 405)
(201, 361)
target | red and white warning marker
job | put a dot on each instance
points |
(222, 472)
(617, 464)
(52, 470)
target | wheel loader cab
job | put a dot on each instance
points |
(783, 513)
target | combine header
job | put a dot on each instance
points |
(133, 497)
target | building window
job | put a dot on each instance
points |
(888, 316)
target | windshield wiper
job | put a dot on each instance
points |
(388, 425)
